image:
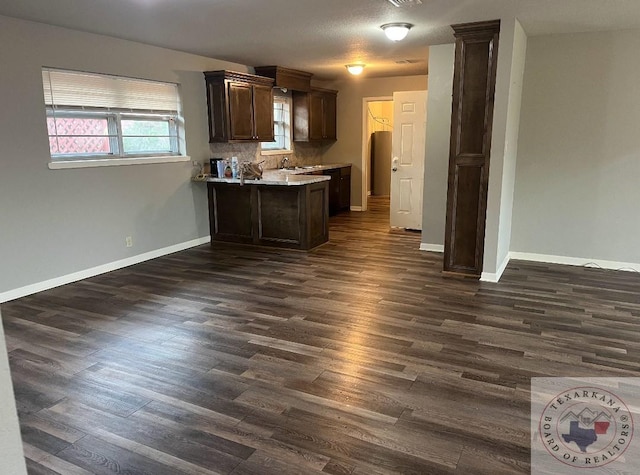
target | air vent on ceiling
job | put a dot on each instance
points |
(407, 61)
(405, 3)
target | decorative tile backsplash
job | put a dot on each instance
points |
(246, 152)
(303, 154)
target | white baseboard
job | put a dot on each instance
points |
(563, 260)
(576, 261)
(490, 277)
(356, 208)
(425, 246)
(101, 269)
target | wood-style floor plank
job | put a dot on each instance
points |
(358, 357)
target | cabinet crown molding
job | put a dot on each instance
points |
(284, 77)
(470, 29)
(324, 90)
(238, 77)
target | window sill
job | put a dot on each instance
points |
(115, 162)
(275, 152)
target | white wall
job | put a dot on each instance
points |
(504, 148)
(576, 191)
(57, 222)
(436, 166)
(10, 442)
(351, 92)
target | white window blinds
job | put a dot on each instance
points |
(71, 89)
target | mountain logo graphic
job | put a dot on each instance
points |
(585, 420)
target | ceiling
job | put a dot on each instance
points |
(319, 36)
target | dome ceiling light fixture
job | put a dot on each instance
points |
(355, 69)
(396, 31)
(405, 3)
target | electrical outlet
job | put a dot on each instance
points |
(129, 241)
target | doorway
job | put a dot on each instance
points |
(393, 147)
(380, 132)
(377, 123)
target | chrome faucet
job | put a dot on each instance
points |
(284, 161)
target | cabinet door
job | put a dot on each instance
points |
(334, 190)
(240, 111)
(330, 117)
(218, 130)
(316, 116)
(300, 116)
(230, 217)
(345, 188)
(263, 113)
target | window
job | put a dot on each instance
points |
(95, 117)
(281, 126)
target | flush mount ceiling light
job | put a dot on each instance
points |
(396, 31)
(405, 3)
(355, 69)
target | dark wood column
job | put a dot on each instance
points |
(471, 121)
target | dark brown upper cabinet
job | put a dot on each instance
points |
(314, 115)
(474, 84)
(240, 107)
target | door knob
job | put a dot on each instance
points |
(394, 164)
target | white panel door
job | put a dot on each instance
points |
(407, 164)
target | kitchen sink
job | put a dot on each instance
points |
(306, 167)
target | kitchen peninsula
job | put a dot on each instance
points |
(286, 208)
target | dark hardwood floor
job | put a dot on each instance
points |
(355, 358)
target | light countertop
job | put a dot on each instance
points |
(273, 177)
(314, 168)
(286, 177)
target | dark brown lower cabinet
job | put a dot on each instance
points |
(334, 191)
(345, 188)
(339, 189)
(269, 215)
(230, 217)
(471, 123)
